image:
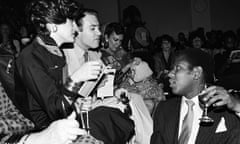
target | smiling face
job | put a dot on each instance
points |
(115, 41)
(182, 78)
(89, 33)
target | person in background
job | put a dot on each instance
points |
(223, 63)
(198, 40)
(8, 44)
(113, 53)
(163, 58)
(177, 120)
(182, 42)
(137, 39)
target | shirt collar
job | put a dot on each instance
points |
(194, 99)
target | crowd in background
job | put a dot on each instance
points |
(142, 64)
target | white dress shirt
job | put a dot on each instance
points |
(197, 115)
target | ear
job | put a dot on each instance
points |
(197, 73)
(52, 28)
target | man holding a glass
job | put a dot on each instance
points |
(180, 119)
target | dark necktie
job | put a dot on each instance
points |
(85, 55)
(187, 124)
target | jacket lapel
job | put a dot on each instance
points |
(172, 123)
(207, 131)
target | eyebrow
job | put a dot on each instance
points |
(94, 25)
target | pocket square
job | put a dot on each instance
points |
(221, 126)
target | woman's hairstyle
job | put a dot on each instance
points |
(159, 40)
(114, 27)
(42, 12)
(196, 34)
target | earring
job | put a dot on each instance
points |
(54, 28)
(105, 43)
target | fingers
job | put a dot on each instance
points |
(72, 116)
(91, 70)
(73, 133)
(216, 96)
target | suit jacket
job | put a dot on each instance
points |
(166, 125)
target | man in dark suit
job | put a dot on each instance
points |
(177, 120)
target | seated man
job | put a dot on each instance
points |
(177, 120)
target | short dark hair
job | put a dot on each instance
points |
(41, 12)
(159, 40)
(113, 27)
(198, 57)
(81, 13)
(196, 34)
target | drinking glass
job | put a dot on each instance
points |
(205, 118)
(82, 111)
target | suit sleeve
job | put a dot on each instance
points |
(156, 137)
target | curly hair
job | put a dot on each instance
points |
(41, 12)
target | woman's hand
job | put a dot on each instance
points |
(62, 131)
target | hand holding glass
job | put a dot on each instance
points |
(205, 118)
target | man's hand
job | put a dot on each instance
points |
(218, 96)
(88, 71)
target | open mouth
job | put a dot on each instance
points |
(172, 83)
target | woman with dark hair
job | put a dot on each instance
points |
(163, 57)
(40, 64)
(112, 52)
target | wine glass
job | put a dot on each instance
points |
(82, 110)
(205, 118)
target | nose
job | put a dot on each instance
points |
(98, 32)
(171, 73)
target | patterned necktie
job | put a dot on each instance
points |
(187, 124)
